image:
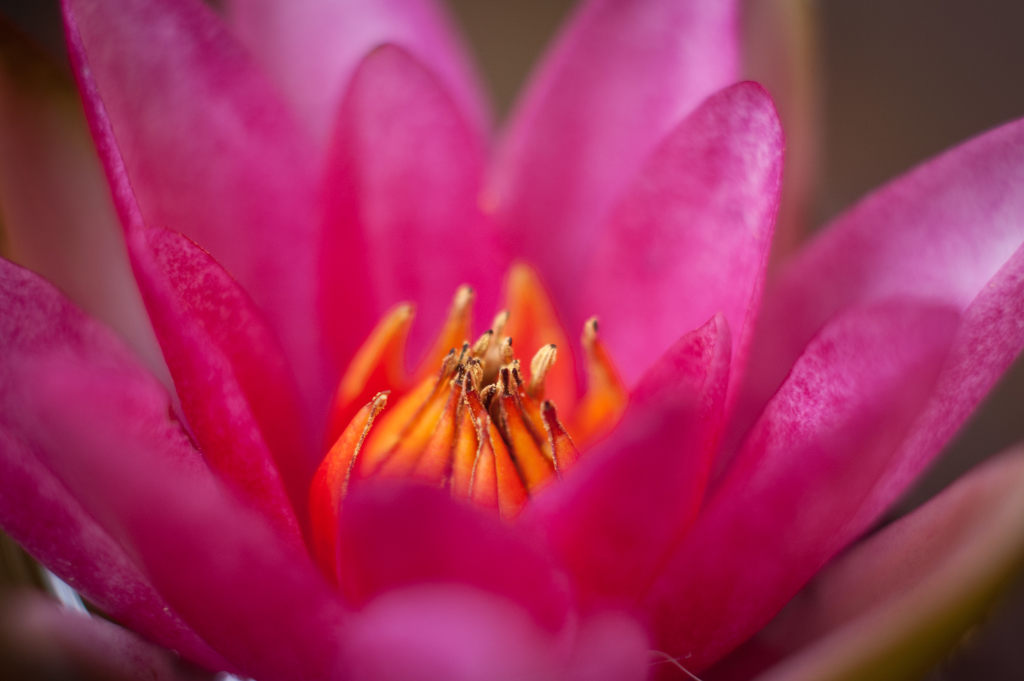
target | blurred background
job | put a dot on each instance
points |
(898, 81)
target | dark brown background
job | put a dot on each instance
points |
(901, 80)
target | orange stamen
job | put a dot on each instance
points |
(606, 397)
(565, 453)
(510, 491)
(533, 323)
(379, 365)
(330, 485)
(537, 470)
(435, 461)
(457, 329)
(467, 444)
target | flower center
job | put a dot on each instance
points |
(468, 420)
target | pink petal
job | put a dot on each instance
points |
(950, 230)
(785, 507)
(63, 644)
(57, 213)
(691, 236)
(910, 591)
(616, 517)
(235, 385)
(35, 508)
(393, 536)
(311, 49)
(402, 210)
(620, 76)
(208, 150)
(38, 512)
(610, 646)
(254, 596)
(449, 633)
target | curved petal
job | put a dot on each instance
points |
(55, 643)
(621, 74)
(952, 230)
(235, 385)
(449, 632)
(618, 513)
(780, 52)
(35, 507)
(692, 234)
(785, 507)
(610, 646)
(393, 536)
(57, 213)
(402, 213)
(311, 48)
(42, 515)
(209, 151)
(897, 603)
(255, 597)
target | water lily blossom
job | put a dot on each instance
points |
(236, 228)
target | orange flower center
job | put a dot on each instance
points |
(468, 420)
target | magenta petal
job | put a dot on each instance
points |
(618, 514)
(311, 48)
(235, 385)
(947, 230)
(394, 535)
(208, 150)
(784, 508)
(610, 646)
(449, 633)
(620, 76)
(58, 217)
(692, 234)
(256, 598)
(35, 508)
(402, 189)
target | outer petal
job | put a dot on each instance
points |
(785, 507)
(402, 211)
(208, 150)
(950, 230)
(35, 507)
(623, 508)
(311, 48)
(399, 535)
(621, 74)
(691, 236)
(235, 385)
(448, 632)
(54, 643)
(894, 605)
(256, 598)
(57, 212)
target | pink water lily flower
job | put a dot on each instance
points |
(209, 431)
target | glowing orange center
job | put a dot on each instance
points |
(467, 420)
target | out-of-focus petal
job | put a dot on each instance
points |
(311, 48)
(209, 151)
(392, 536)
(402, 217)
(256, 598)
(691, 237)
(42, 515)
(622, 73)
(900, 601)
(784, 509)
(57, 213)
(609, 646)
(449, 633)
(36, 508)
(235, 385)
(621, 510)
(39, 640)
(952, 231)
(780, 52)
